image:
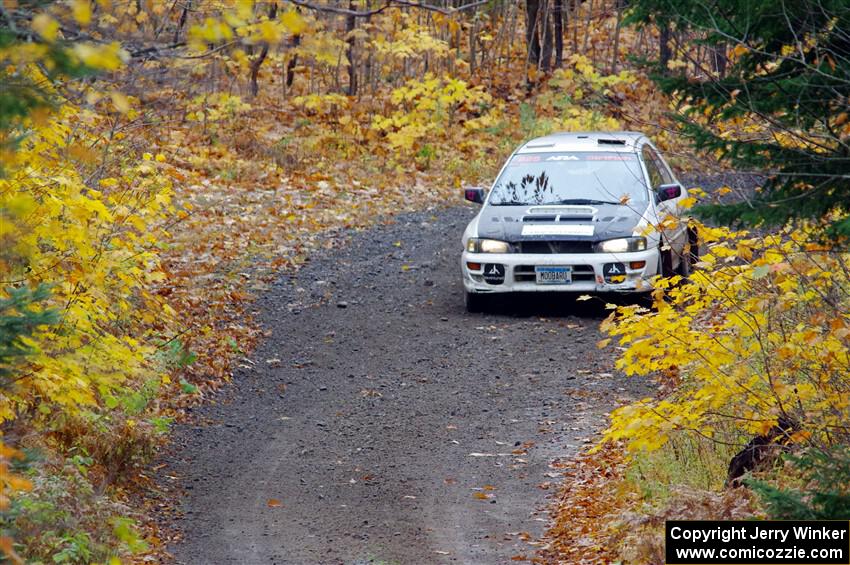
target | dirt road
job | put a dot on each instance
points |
(380, 423)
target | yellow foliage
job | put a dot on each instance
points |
(106, 57)
(92, 248)
(429, 106)
(407, 39)
(81, 10)
(293, 22)
(215, 107)
(760, 333)
(46, 27)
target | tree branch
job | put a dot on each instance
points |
(387, 4)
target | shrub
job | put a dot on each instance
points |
(822, 491)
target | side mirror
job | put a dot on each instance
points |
(669, 192)
(475, 195)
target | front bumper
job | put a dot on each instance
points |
(587, 271)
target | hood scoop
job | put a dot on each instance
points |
(560, 214)
(540, 218)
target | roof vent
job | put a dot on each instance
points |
(611, 141)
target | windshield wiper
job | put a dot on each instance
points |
(583, 201)
(509, 203)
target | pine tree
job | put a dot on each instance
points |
(788, 72)
(21, 315)
(825, 475)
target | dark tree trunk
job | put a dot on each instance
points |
(548, 48)
(258, 62)
(473, 44)
(761, 450)
(290, 66)
(350, 26)
(719, 60)
(558, 14)
(664, 51)
(532, 38)
(620, 5)
(182, 23)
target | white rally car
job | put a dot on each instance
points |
(578, 212)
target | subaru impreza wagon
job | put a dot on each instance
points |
(577, 212)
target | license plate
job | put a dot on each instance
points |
(554, 275)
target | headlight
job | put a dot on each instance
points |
(475, 245)
(621, 245)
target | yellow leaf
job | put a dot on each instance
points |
(293, 21)
(46, 27)
(105, 57)
(121, 103)
(687, 202)
(740, 50)
(245, 8)
(268, 32)
(81, 10)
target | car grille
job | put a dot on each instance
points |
(525, 273)
(556, 247)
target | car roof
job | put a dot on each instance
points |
(621, 141)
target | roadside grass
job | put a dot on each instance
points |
(687, 460)
(612, 508)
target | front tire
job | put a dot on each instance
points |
(693, 246)
(665, 263)
(475, 303)
(685, 265)
(690, 254)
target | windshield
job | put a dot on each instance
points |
(570, 178)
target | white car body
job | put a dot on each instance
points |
(568, 235)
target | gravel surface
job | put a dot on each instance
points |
(380, 423)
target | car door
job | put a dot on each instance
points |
(675, 232)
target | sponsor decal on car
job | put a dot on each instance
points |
(520, 159)
(614, 272)
(494, 273)
(617, 157)
(569, 229)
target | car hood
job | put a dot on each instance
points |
(595, 222)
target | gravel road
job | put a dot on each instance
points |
(381, 423)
